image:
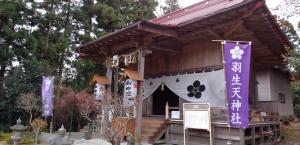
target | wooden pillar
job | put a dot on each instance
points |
(109, 76)
(253, 135)
(116, 83)
(139, 105)
(242, 136)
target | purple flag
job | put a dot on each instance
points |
(47, 93)
(237, 70)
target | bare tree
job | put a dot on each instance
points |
(109, 116)
(87, 105)
(29, 102)
(113, 120)
(38, 125)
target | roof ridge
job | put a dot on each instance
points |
(189, 9)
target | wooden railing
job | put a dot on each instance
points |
(261, 116)
(169, 111)
(255, 116)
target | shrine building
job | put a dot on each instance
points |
(178, 58)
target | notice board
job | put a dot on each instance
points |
(197, 120)
(196, 116)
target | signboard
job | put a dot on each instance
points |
(47, 93)
(175, 114)
(237, 70)
(99, 91)
(130, 92)
(196, 116)
(197, 120)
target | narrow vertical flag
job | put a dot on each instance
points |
(237, 72)
(47, 93)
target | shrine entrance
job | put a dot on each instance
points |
(161, 96)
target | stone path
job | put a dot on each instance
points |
(77, 136)
(91, 142)
(2, 142)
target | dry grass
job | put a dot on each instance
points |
(291, 134)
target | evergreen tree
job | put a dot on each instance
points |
(171, 5)
(42, 37)
(12, 37)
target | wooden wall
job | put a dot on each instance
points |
(192, 56)
(272, 82)
(280, 83)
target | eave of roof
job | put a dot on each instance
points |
(98, 40)
(143, 26)
(136, 26)
(200, 9)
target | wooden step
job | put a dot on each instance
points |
(152, 128)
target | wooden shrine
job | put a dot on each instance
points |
(175, 52)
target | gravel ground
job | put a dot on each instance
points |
(91, 142)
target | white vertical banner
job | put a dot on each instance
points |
(130, 92)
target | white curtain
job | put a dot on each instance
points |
(206, 87)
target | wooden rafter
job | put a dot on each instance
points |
(260, 47)
(241, 35)
(240, 20)
(200, 31)
(103, 51)
(163, 48)
(233, 28)
(123, 45)
(166, 32)
(214, 33)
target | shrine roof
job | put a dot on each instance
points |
(101, 80)
(212, 16)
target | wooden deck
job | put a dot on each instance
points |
(264, 129)
(257, 133)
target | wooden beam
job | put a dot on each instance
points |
(233, 29)
(240, 20)
(123, 45)
(202, 30)
(103, 51)
(260, 47)
(166, 32)
(162, 48)
(241, 35)
(214, 33)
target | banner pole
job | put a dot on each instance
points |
(249, 42)
(234, 71)
(226, 103)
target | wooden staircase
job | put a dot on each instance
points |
(153, 129)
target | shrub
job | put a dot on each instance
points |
(5, 136)
(297, 110)
(27, 139)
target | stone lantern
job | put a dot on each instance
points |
(17, 129)
(61, 139)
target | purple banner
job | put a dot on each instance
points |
(47, 93)
(237, 70)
